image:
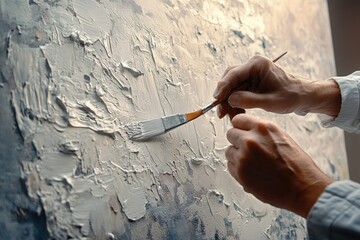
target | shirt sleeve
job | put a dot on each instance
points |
(349, 115)
(336, 214)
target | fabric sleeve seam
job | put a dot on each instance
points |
(353, 203)
(336, 218)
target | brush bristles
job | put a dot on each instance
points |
(144, 130)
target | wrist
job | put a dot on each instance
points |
(322, 97)
(309, 196)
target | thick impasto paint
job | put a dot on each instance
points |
(75, 72)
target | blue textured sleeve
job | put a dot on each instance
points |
(349, 115)
(336, 214)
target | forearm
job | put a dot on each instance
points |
(321, 97)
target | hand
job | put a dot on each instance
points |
(260, 83)
(271, 166)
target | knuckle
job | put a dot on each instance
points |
(250, 142)
(231, 135)
(227, 153)
(232, 154)
(237, 139)
(235, 120)
(262, 126)
(266, 126)
(222, 84)
(271, 126)
(233, 73)
(229, 68)
(232, 170)
(261, 60)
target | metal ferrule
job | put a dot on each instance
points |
(173, 121)
(208, 107)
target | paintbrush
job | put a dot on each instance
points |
(140, 131)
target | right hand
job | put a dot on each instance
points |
(260, 83)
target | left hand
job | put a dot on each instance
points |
(271, 166)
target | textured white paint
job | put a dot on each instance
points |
(80, 70)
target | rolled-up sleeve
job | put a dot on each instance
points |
(336, 214)
(349, 115)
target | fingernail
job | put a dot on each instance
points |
(218, 112)
(216, 93)
(233, 100)
(229, 102)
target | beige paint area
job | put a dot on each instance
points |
(84, 69)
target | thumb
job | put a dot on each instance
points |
(246, 99)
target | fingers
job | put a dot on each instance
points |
(233, 156)
(233, 170)
(221, 112)
(231, 80)
(244, 122)
(245, 99)
(236, 137)
(227, 70)
(234, 112)
(234, 76)
(224, 108)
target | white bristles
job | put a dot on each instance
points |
(144, 130)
